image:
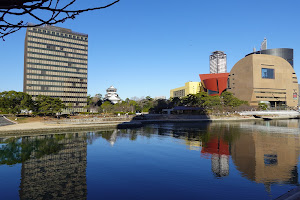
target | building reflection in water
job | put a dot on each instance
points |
(267, 158)
(58, 175)
(219, 150)
(264, 152)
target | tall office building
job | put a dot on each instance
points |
(218, 62)
(55, 64)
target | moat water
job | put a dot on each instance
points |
(240, 160)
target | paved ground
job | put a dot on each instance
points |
(39, 127)
(44, 127)
(4, 122)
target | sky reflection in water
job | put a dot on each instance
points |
(246, 160)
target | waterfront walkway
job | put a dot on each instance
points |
(5, 122)
(39, 127)
(291, 113)
(52, 126)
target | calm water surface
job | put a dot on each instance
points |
(245, 160)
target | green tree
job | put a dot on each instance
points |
(263, 106)
(230, 100)
(175, 101)
(212, 102)
(107, 107)
(89, 102)
(13, 102)
(48, 105)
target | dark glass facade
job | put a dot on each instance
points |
(285, 53)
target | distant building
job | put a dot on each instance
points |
(111, 95)
(262, 78)
(55, 65)
(189, 88)
(159, 97)
(218, 62)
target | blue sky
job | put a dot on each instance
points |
(147, 47)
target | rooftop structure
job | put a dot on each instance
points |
(263, 45)
(285, 53)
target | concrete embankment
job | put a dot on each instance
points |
(94, 124)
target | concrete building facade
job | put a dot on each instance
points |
(55, 64)
(218, 62)
(188, 88)
(262, 78)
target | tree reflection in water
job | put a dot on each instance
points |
(53, 166)
(18, 150)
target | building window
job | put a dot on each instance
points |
(211, 92)
(267, 73)
(50, 46)
(228, 83)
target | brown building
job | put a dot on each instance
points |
(55, 65)
(261, 78)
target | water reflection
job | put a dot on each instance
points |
(60, 174)
(265, 151)
(54, 166)
(267, 158)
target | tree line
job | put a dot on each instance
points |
(225, 102)
(12, 102)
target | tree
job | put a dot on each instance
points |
(13, 102)
(48, 105)
(230, 100)
(175, 101)
(107, 107)
(43, 11)
(94, 102)
(159, 105)
(89, 101)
